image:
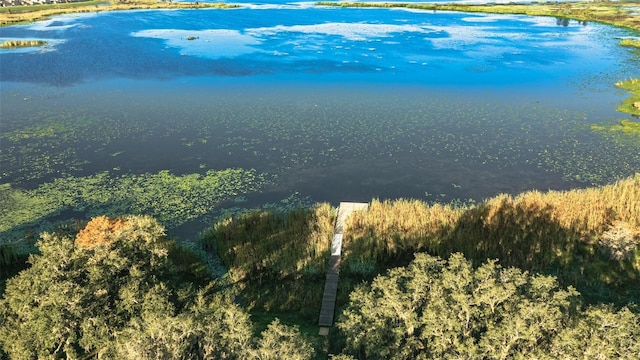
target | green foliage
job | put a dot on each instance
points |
(600, 333)
(136, 296)
(71, 300)
(448, 309)
(205, 330)
(282, 342)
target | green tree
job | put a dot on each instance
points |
(121, 290)
(600, 333)
(282, 342)
(447, 309)
(209, 329)
(74, 298)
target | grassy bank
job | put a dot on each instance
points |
(14, 15)
(588, 238)
(612, 13)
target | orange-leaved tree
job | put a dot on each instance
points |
(100, 230)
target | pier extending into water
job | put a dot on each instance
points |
(331, 284)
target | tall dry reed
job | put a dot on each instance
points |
(275, 243)
(541, 231)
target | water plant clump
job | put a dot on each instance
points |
(630, 43)
(22, 43)
(172, 199)
(631, 105)
(623, 130)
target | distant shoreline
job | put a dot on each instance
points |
(16, 15)
(620, 14)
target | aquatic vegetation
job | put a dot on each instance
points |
(624, 128)
(22, 43)
(56, 143)
(171, 199)
(630, 43)
(287, 247)
(631, 105)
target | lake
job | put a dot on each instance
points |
(312, 103)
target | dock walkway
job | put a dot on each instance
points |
(331, 285)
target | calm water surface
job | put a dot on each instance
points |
(336, 104)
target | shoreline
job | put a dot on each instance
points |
(619, 14)
(18, 15)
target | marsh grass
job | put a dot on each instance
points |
(570, 234)
(276, 258)
(564, 233)
(276, 243)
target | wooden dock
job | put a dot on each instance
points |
(331, 285)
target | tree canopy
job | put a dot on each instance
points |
(118, 291)
(436, 309)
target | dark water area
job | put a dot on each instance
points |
(330, 104)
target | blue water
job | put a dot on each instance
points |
(300, 43)
(339, 104)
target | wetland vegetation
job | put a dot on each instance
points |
(87, 269)
(21, 43)
(410, 269)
